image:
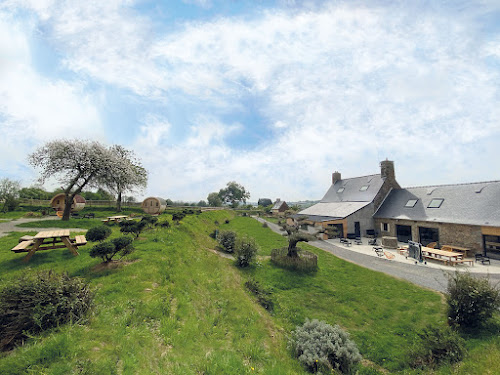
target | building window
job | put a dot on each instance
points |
(411, 203)
(385, 227)
(435, 203)
(364, 188)
(340, 190)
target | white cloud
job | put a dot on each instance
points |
(34, 109)
(339, 85)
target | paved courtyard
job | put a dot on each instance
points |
(431, 275)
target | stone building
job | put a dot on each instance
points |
(349, 204)
(466, 215)
(279, 206)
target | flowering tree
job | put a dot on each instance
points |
(75, 164)
(127, 175)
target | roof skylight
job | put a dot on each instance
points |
(411, 203)
(364, 188)
(340, 190)
(435, 203)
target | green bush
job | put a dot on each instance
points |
(263, 295)
(150, 220)
(132, 226)
(99, 233)
(264, 225)
(245, 251)
(304, 262)
(227, 240)
(322, 347)
(471, 301)
(437, 345)
(38, 302)
(107, 250)
(178, 216)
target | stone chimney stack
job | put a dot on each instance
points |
(387, 170)
(336, 177)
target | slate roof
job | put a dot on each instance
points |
(333, 210)
(338, 205)
(352, 188)
(473, 204)
(278, 205)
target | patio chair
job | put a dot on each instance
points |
(431, 245)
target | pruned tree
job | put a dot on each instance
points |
(214, 200)
(295, 236)
(9, 192)
(76, 164)
(233, 194)
(127, 175)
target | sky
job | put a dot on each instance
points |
(275, 95)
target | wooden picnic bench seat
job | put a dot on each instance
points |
(25, 238)
(462, 261)
(80, 240)
(22, 246)
(445, 261)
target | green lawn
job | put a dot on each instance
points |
(178, 308)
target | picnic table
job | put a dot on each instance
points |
(117, 218)
(448, 257)
(51, 239)
(463, 250)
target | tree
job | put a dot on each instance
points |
(264, 202)
(127, 175)
(202, 203)
(76, 164)
(233, 194)
(9, 192)
(214, 200)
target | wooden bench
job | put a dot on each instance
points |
(22, 246)
(80, 240)
(25, 238)
(462, 261)
(445, 261)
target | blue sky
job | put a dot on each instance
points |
(275, 95)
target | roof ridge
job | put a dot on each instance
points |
(459, 184)
(368, 175)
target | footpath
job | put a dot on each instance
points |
(431, 275)
(11, 226)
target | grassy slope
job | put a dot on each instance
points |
(180, 309)
(381, 313)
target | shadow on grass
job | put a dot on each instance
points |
(487, 330)
(38, 259)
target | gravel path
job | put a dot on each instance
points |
(435, 278)
(10, 226)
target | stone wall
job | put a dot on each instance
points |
(469, 236)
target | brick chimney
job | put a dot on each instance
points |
(336, 177)
(387, 170)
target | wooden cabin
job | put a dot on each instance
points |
(154, 205)
(57, 203)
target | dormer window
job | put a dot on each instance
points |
(411, 203)
(340, 190)
(364, 188)
(435, 203)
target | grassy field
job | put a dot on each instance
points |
(176, 307)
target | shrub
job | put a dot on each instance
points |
(107, 250)
(264, 225)
(305, 261)
(132, 226)
(99, 233)
(38, 302)
(437, 345)
(245, 250)
(227, 240)
(150, 220)
(178, 216)
(471, 301)
(263, 295)
(322, 347)
(226, 221)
